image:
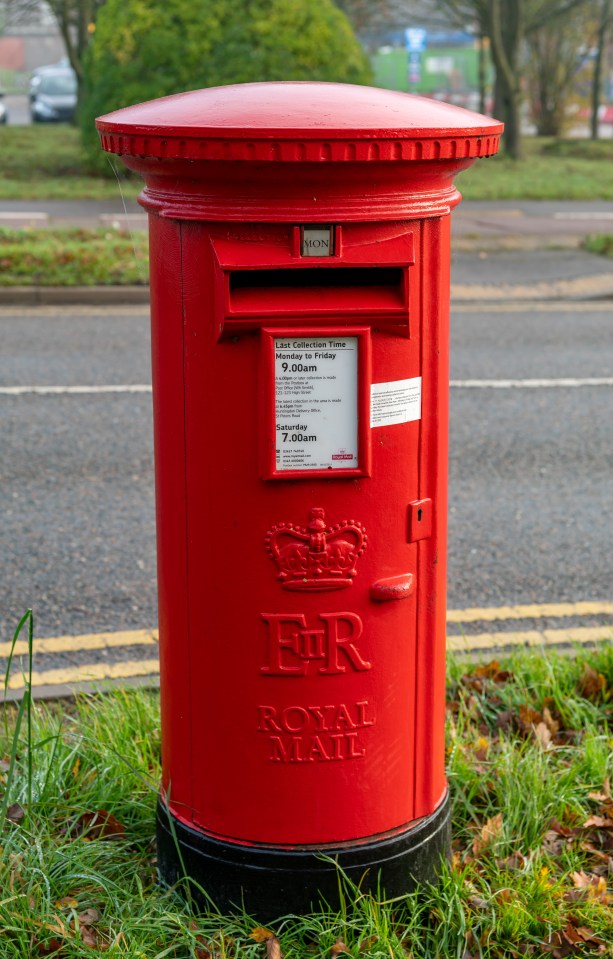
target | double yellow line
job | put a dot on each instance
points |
(457, 642)
(502, 639)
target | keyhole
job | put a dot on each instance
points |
(419, 515)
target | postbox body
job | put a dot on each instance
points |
(299, 240)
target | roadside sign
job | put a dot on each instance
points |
(416, 39)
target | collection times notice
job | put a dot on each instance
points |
(316, 403)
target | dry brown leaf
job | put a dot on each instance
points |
(67, 902)
(589, 936)
(90, 936)
(528, 717)
(372, 941)
(339, 946)
(15, 812)
(516, 860)
(489, 833)
(542, 734)
(52, 947)
(89, 917)
(598, 822)
(568, 832)
(592, 685)
(478, 903)
(593, 885)
(273, 948)
(505, 720)
(552, 724)
(505, 895)
(98, 825)
(493, 671)
(481, 748)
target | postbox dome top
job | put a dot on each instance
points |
(297, 120)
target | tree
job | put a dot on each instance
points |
(143, 49)
(553, 62)
(507, 24)
(605, 23)
(76, 21)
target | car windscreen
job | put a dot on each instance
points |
(59, 85)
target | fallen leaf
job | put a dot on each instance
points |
(493, 671)
(478, 903)
(590, 886)
(552, 724)
(598, 822)
(516, 860)
(489, 833)
(528, 718)
(98, 825)
(481, 748)
(505, 720)
(84, 924)
(88, 917)
(339, 946)
(52, 947)
(273, 948)
(67, 902)
(15, 813)
(260, 934)
(505, 895)
(592, 685)
(372, 941)
(605, 795)
(568, 832)
(589, 936)
(542, 734)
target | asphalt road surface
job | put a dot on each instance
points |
(531, 505)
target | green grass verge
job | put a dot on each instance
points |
(104, 256)
(601, 243)
(551, 170)
(72, 257)
(529, 761)
(45, 163)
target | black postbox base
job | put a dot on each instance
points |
(269, 882)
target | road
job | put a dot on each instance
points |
(530, 466)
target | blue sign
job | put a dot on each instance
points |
(416, 39)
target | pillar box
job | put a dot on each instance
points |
(299, 246)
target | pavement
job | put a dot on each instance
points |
(502, 251)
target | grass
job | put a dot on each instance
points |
(45, 163)
(551, 170)
(72, 257)
(529, 764)
(601, 243)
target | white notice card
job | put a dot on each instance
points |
(395, 402)
(316, 402)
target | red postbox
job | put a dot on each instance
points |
(299, 244)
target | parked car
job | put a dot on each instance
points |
(53, 95)
(3, 111)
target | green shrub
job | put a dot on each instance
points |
(143, 49)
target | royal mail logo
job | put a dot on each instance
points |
(317, 557)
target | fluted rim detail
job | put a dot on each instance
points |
(168, 147)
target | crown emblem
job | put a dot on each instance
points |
(317, 556)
